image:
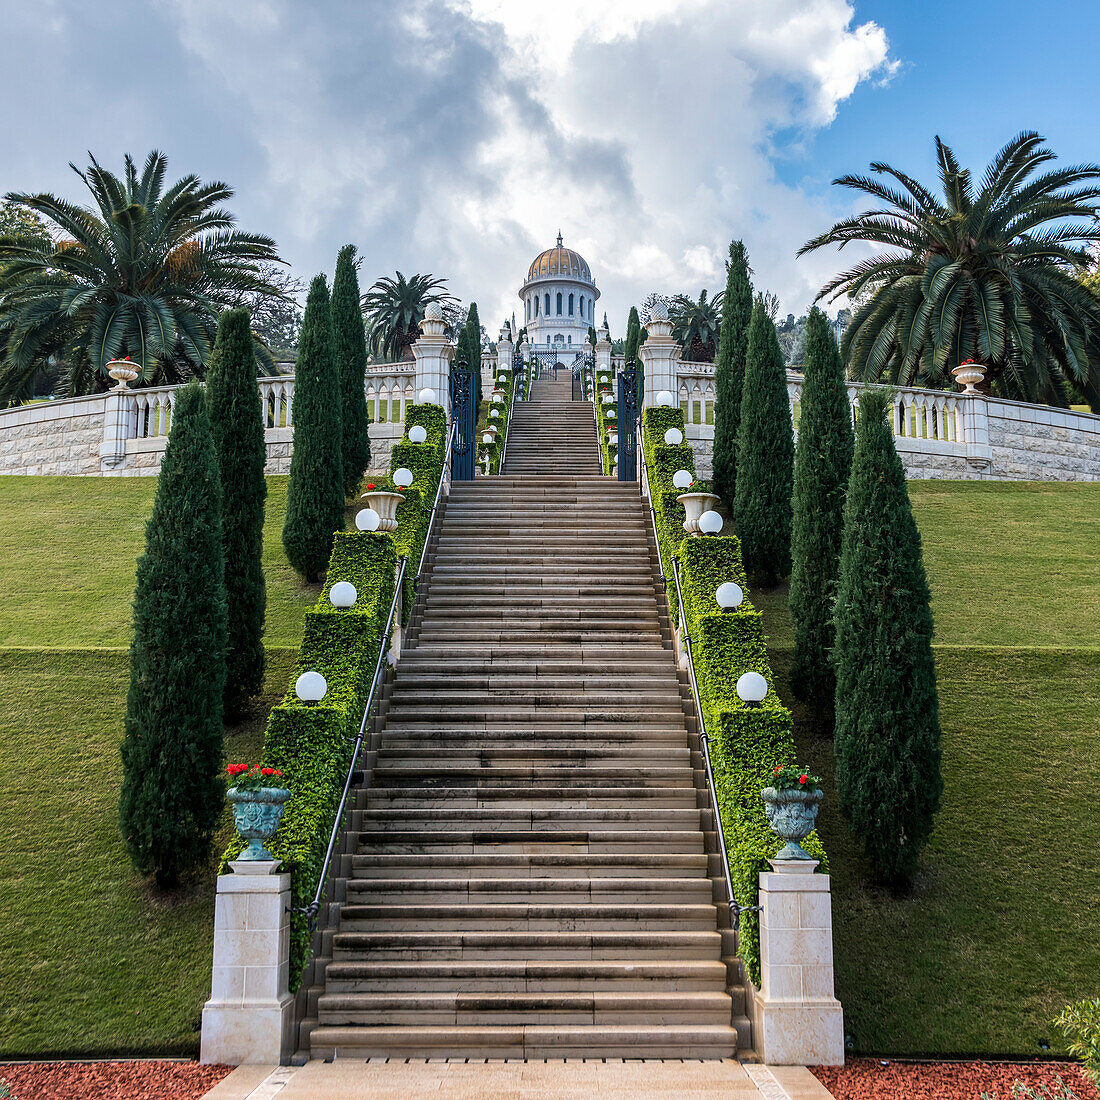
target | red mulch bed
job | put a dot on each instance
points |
(871, 1079)
(112, 1080)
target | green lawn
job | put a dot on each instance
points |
(1009, 563)
(999, 932)
(69, 547)
(90, 961)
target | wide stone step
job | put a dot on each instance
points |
(485, 841)
(538, 777)
(509, 867)
(531, 976)
(402, 734)
(490, 682)
(623, 756)
(547, 820)
(665, 697)
(529, 796)
(691, 1041)
(428, 944)
(480, 1009)
(520, 917)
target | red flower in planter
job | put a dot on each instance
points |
(802, 779)
(370, 486)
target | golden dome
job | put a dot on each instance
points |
(560, 261)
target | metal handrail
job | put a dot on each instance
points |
(444, 476)
(314, 908)
(643, 488)
(735, 907)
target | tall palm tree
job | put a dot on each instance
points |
(142, 274)
(394, 309)
(989, 274)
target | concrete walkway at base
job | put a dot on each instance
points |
(383, 1079)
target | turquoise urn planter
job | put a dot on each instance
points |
(257, 815)
(792, 816)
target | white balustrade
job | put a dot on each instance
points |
(389, 391)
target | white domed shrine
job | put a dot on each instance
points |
(559, 299)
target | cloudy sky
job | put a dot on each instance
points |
(458, 136)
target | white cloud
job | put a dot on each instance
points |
(458, 136)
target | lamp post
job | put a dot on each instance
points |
(751, 688)
(729, 596)
(310, 687)
(343, 594)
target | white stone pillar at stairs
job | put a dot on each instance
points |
(433, 353)
(603, 353)
(796, 1018)
(504, 354)
(249, 1019)
(660, 355)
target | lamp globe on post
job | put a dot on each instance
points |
(417, 433)
(710, 523)
(367, 519)
(674, 437)
(342, 594)
(426, 396)
(729, 596)
(752, 688)
(682, 479)
(402, 477)
(310, 687)
(665, 399)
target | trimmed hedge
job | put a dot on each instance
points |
(608, 451)
(312, 743)
(747, 743)
(493, 450)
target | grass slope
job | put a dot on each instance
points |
(69, 548)
(91, 962)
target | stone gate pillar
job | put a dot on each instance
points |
(660, 356)
(505, 350)
(603, 353)
(433, 353)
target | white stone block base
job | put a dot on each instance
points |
(249, 1018)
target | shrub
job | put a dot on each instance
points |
(729, 370)
(887, 739)
(172, 792)
(312, 742)
(350, 355)
(1080, 1023)
(663, 461)
(315, 493)
(747, 743)
(765, 456)
(238, 432)
(822, 465)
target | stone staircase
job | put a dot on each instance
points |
(530, 870)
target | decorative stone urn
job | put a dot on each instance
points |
(792, 815)
(385, 504)
(695, 504)
(122, 371)
(257, 815)
(969, 375)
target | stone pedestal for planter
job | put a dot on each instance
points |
(695, 504)
(796, 1018)
(385, 504)
(249, 1018)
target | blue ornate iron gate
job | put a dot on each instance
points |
(627, 423)
(465, 417)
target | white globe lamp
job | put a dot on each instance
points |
(426, 396)
(342, 594)
(418, 433)
(613, 439)
(402, 477)
(665, 399)
(367, 519)
(751, 688)
(710, 523)
(310, 687)
(729, 596)
(674, 437)
(682, 479)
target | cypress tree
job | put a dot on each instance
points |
(472, 333)
(887, 741)
(237, 426)
(315, 493)
(729, 370)
(822, 465)
(350, 352)
(172, 791)
(592, 335)
(765, 456)
(633, 342)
